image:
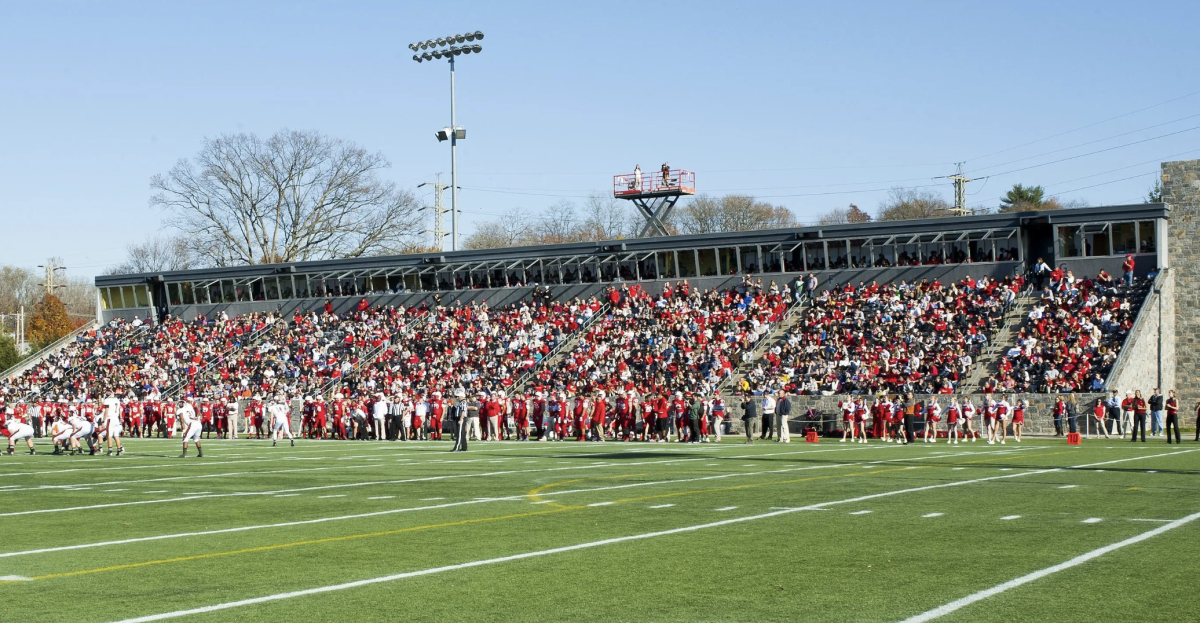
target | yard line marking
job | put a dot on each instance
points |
(1162, 520)
(601, 504)
(393, 511)
(192, 477)
(287, 495)
(339, 495)
(431, 499)
(324, 487)
(1153, 471)
(958, 468)
(557, 550)
(932, 515)
(543, 502)
(1010, 517)
(381, 497)
(1092, 520)
(943, 610)
(114, 490)
(163, 491)
(1068, 486)
(727, 508)
(860, 512)
(662, 506)
(13, 578)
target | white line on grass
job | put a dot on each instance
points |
(601, 504)
(941, 611)
(932, 515)
(325, 487)
(662, 506)
(569, 548)
(1092, 520)
(860, 512)
(381, 497)
(727, 508)
(1010, 517)
(399, 510)
(1068, 486)
(339, 495)
(1162, 520)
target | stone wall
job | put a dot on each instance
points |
(1181, 192)
(1038, 418)
(1142, 365)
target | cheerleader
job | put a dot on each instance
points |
(933, 415)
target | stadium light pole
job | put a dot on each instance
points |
(453, 47)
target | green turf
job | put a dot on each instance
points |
(835, 563)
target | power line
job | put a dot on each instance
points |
(1100, 140)
(1090, 125)
(1091, 153)
(1132, 177)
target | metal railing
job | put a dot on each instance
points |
(36, 358)
(795, 307)
(370, 357)
(250, 340)
(562, 343)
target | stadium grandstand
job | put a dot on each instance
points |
(936, 306)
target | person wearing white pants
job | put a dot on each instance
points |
(378, 414)
(191, 427)
(17, 430)
(112, 425)
(281, 422)
(783, 413)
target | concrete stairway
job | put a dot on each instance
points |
(1000, 342)
(793, 316)
(560, 352)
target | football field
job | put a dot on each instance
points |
(370, 531)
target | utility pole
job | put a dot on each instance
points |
(960, 192)
(439, 231)
(51, 269)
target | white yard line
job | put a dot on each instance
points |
(958, 604)
(396, 511)
(546, 552)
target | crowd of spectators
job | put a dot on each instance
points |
(683, 340)
(920, 337)
(1072, 336)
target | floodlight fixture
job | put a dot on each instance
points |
(453, 132)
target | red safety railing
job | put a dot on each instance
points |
(674, 181)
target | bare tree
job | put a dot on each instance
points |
(705, 214)
(558, 224)
(607, 218)
(157, 253)
(911, 203)
(512, 230)
(295, 196)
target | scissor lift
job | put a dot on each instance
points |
(655, 194)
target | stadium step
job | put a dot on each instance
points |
(778, 333)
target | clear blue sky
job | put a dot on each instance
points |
(780, 100)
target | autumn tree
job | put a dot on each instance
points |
(48, 322)
(294, 196)
(706, 214)
(905, 204)
(839, 216)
